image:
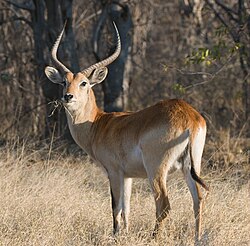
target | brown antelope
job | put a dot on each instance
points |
(147, 143)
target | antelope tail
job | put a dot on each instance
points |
(194, 174)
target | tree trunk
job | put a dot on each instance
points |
(45, 31)
(116, 85)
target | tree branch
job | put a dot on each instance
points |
(15, 18)
(25, 6)
(97, 30)
(211, 76)
(227, 10)
(225, 7)
(234, 36)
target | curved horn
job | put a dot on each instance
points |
(108, 60)
(54, 52)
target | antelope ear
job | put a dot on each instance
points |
(98, 76)
(53, 75)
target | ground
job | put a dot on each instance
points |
(50, 197)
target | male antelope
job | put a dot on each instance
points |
(147, 143)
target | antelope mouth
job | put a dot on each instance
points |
(64, 102)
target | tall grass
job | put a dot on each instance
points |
(64, 200)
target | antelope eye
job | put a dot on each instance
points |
(83, 83)
(64, 82)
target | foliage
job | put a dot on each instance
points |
(221, 50)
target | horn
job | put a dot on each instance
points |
(54, 51)
(108, 60)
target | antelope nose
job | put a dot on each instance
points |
(68, 97)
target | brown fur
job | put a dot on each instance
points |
(146, 143)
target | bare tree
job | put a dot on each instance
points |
(236, 19)
(46, 18)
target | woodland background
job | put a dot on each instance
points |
(196, 50)
(50, 192)
(201, 55)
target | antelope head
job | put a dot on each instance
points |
(78, 87)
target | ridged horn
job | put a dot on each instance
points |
(54, 51)
(108, 60)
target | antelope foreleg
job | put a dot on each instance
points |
(116, 189)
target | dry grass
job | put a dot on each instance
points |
(65, 201)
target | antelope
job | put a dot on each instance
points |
(143, 144)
